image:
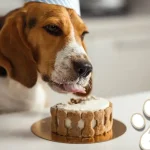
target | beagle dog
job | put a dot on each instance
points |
(41, 44)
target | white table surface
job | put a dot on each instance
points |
(15, 131)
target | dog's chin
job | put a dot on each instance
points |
(67, 88)
(59, 89)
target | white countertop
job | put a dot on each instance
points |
(15, 131)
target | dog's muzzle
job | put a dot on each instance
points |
(81, 73)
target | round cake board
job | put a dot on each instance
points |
(42, 129)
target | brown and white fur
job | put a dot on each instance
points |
(30, 56)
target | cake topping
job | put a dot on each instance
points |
(85, 104)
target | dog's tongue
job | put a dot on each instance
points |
(74, 88)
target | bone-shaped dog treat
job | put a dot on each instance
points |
(88, 130)
(108, 118)
(61, 116)
(53, 119)
(99, 117)
(74, 130)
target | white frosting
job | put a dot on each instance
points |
(68, 123)
(92, 104)
(81, 124)
(93, 123)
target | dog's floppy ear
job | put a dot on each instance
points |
(15, 53)
(2, 19)
(88, 89)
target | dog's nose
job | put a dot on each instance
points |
(82, 68)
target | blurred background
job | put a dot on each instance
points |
(118, 43)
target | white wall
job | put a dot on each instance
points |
(7, 5)
(120, 51)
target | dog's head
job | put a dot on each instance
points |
(48, 39)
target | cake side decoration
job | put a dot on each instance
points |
(86, 117)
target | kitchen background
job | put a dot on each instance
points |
(118, 43)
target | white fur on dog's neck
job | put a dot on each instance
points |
(16, 97)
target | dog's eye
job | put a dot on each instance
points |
(53, 29)
(83, 35)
